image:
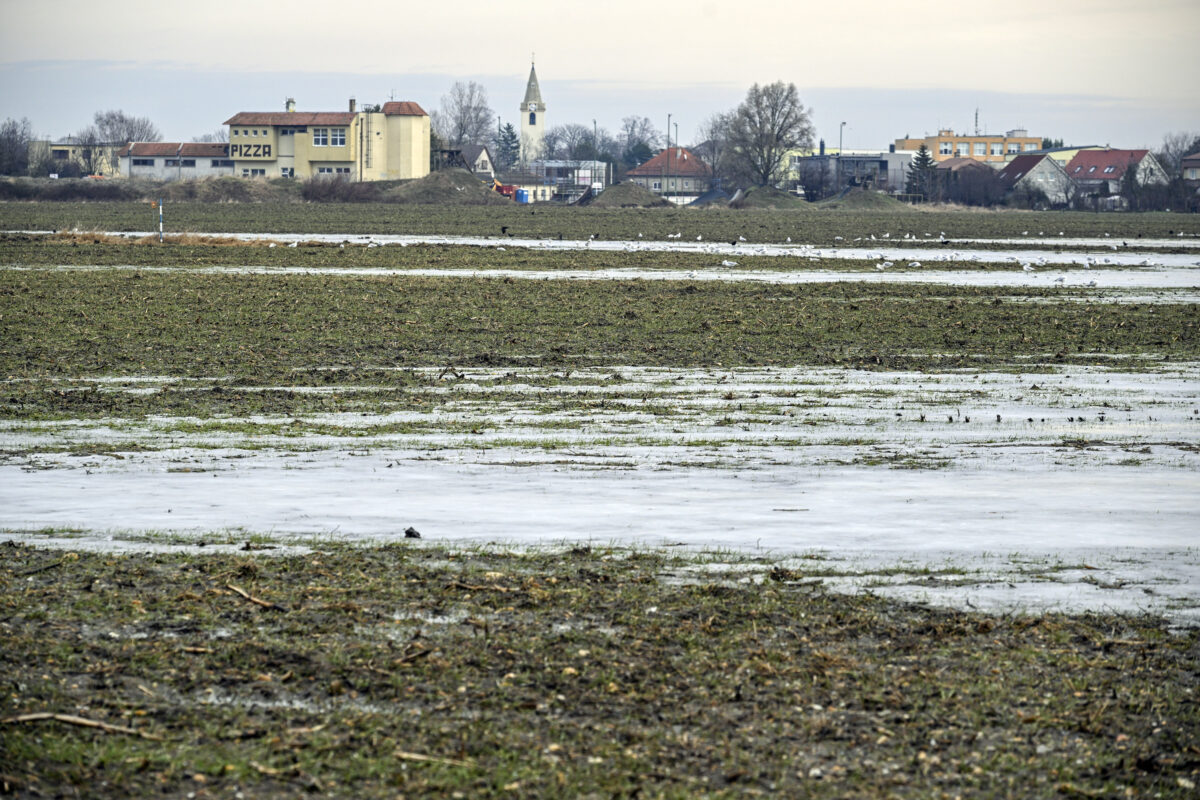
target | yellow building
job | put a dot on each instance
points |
(75, 156)
(390, 143)
(983, 147)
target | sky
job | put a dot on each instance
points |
(1086, 71)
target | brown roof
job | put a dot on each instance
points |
(403, 108)
(675, 161)
(1019, 167)
(1108, 165)
(960, 163)
(171, 149)
(291, 118)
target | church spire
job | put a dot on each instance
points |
(532, 93)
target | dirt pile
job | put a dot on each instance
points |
(863, 200)
(768, 197)
(626, 195)
(447, 187)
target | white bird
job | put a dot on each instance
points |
(1027, 267)
(294, 244)
(728, 263)
(272, 244)
(501, 249)
(1091, 283)
(741, 238)
(639, 236)
(701, 236)
(914, 263)
(1060, 279)
(838, 238)
(789, 240)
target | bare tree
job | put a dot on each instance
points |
(713, 145)
(219, 135)
(15, 137)
(91, 149)
(1174, 147)
(566, 141)
(465, 116)
(768, 123)
(117, 127)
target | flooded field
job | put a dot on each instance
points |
(818, 518)
(1057, 401)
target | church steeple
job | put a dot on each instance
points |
(533, 94)
(533, 123)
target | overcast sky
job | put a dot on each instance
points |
(1087, 71)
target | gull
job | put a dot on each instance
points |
(1027, 267)
(728, 263)
(272, 244)
(1059, 279)
(701, 236)
(294, 244)
(1091, 283)
(914, 263)
(639, 236)
(741, 238)
(838, 238)
(886, 235)
(789, 240)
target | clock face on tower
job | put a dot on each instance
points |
(533, 106)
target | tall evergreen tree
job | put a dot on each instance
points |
(920, 173)
(508, 147)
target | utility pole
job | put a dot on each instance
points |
(841, 130)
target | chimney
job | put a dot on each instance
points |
(290, 105)
(352, 105)
(822, 147)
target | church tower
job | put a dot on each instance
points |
(533, 120)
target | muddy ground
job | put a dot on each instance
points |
(422, 671)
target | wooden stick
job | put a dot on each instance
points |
(73, 720)
(255, 600)
(419, 757)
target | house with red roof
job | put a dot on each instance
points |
(388, 142)
(1100, 173)
(171, 161)
(675, 173)
(1037, 174)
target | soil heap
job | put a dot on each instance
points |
(626, 195)
(448, 187)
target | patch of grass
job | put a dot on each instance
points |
(423, 671)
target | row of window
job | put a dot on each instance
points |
(333, 170)
(321, 137)
(982, 148)
(178, 162)
(1107, 170)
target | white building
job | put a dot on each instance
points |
(172, 161)
(533, 120)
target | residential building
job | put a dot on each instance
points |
(71, 155)
(991, 148)
(478, 159)
(1190, 169)
(567, 179)
(1101, 172)
(533, 120)
(675, 173)
(389, 142)
(1034, 173)
(172, 161)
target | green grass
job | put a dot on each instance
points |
(563, 674)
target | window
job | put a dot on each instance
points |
(945, 148)
(532, 118)
(287, 172)
(254, 173)
(1091, 170)
(337, 137)
(1110, 169)
(981, 148)
(320, 137)
(171, 162)
(1030, 147)
(656, 185)
(997, 149)
(189, 162)
(254, 132)
(234, 132)
(1013, 148)
(342, 170)
(1077, 169)
(964, 149)
(483, 163)
(324, 170)
(143, 162)
(222, 162)
(59, 155)
(286, 131)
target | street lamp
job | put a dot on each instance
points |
(841, 130)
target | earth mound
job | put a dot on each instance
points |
(767, 197)
(448, 187)
(863, 200)
(626, 195)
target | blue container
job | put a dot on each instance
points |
(522, 195)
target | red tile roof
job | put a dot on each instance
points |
(675, 161)
(172, 149)
(959, 163)
(286, 118)
(403, 108)
(1091, 164)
